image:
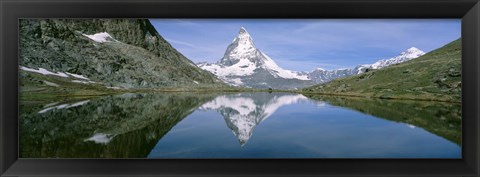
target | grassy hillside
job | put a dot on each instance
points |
(434, 76)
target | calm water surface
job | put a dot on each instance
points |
(240, 125)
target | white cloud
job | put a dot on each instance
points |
(172, 41)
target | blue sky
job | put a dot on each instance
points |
(306, 44)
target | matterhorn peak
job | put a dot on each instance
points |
(242, 47)
(243, 30)
(243, 38)
(242, 63)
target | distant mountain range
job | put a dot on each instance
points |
(245, 65)
(321, 76)
(433, 76)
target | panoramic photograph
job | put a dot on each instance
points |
(240, 88)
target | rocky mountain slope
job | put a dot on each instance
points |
(433, 76)
(116, 53)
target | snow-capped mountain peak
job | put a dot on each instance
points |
(406, 55)
(412, 52)
(243, 36)
(242, 61)
(413, 49)
(242, 47)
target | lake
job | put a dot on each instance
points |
(238, 125)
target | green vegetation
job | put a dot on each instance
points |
(434, 76)
(443, 119)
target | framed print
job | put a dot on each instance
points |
(244, 88)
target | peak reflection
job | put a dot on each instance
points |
(243, 112)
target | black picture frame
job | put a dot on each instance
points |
(12, 10)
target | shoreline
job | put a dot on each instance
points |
(379, 97)
(215, 91)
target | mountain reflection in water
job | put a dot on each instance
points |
(275, 125)
(242, 112)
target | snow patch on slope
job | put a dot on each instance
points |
(59, 74)
(270, 65)
(83, 82)
(43, 71)
(100, 37)
(78, 76)
(241, 68)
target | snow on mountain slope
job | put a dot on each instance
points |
(406, 55)
(273, 67)
(409, 54)
(47, 72)
(241, 68)
(100, 37)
